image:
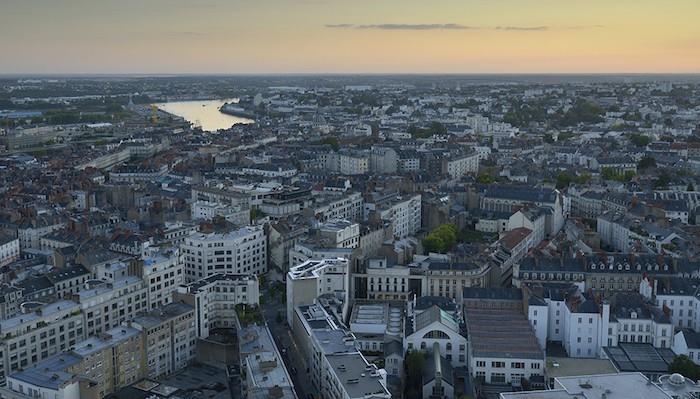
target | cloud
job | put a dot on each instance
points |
(522, 28)
(540, 28)
(403, 26)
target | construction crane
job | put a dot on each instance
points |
(154, 114)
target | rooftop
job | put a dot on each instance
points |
(501, 333)
(356, 375)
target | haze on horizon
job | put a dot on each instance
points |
(361, 36)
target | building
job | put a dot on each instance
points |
(436, 326)
(9, 249)
(503, 349)
(108, 304)
(610, 386)
(313, 278)
(242, 251)
(169, 338)
(461, 165)
(162, 271)
(404, 214)
(340, 234)
(262, 365)
(45, 331)
(215, 298)
(95, 368)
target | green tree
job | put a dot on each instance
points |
(684, 366)
(433, 243)
(640, 140)
(415, 364)
(563, 180)
(333, 142)
(646, 162)
(484, 178)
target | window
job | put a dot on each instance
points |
(498, 365)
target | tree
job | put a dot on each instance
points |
(563, 180)
(684, 366)
(333, 142)
(415, 363)
(646, 162)
(484, 178)
(640, 140)
(433, 243)
(442, 239)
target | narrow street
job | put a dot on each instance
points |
(282, 334)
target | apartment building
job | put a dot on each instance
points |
(214, 299)
(340, 234)
(108, 304)
(337, 206)
(404, 213)
(461, 165)
(169, 338)
(47, 330)
(9, 249)
(162, 270)
(242, 251)
(313, 278)
(94, 368)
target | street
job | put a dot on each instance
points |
(282, 334)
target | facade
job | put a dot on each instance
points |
(169, 338)
(162, 272)
(242, 251)
(435, 326)
(461, 165)
(108, 304)
(29, 338)
(404, 214)
(340, 233)
(502, 347)
(215, 298)
(313, 278)
(9, 249)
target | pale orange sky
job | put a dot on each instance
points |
(359, 36)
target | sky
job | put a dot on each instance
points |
(353, 36)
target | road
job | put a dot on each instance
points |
(282, 334)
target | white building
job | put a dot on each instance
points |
(462, 165)
(163, 271)
(403, 213)
(501, 349)
(242, 251)
(340, 233)
(314, 278)
(435, 326)
(9, 249)
(215, 297)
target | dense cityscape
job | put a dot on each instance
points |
(350, 237)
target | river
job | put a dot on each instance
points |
(204, 114)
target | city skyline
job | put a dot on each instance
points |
(280, 37)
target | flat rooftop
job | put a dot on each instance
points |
(567, 366)
(610, 386)
(356, 380)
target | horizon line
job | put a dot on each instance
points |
(267, 74)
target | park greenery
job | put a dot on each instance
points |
(441, 239)
(435, 128)
(684, 366)
(640, 140)
(612, 174)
